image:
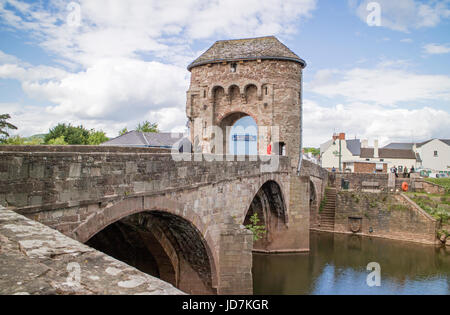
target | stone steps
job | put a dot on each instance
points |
(328, 211)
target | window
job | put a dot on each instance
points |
(205, 125)
(204, 93)
(266, 90)
(233, 67)
(381, 160)
(436, 154)
(367, 160)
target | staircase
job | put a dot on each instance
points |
(327, 213)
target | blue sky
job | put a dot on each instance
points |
(108, 64)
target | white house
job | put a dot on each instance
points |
(338, 146)
(434, 154)
(357, 152)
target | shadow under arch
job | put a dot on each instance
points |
(269, 204)
(162, 244)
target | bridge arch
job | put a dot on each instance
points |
(269, 204)
(165, 242)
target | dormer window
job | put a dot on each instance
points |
(233, 67)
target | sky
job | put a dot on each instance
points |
(376, 70)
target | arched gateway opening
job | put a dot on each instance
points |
(270, 207)
(161, 244)
(240, 134)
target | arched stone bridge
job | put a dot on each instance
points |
(180, 221)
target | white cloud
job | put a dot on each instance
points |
(116, 28)
(104, 81)
(405, 15)
(436, 49)
(385, 84)
(367, 121)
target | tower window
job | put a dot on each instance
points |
(266, 90)
(204, 93)
(233, 67)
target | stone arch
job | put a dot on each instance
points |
(227, 121)
(314, 203)
(218, 95)
(155, 223)
(234, 94)
(269, 203)
(251, 93)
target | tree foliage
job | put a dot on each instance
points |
(64, 134)
(314, 151)
(57, 141)
(258, 230)
(97, 137)
(123, 131)
(18, 140)
(147, 126)
(71, 134)
(4, 126)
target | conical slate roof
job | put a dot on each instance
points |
(247, 49)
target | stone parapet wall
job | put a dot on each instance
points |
(357, 180)
(49, 178)
(37, 260)
(383, 215)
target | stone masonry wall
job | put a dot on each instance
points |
(36, 260)
(267, 90)
(81, 193)
(383, 215)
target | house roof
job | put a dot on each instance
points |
(388, 153)
(268, 47)
(354, 146)
(446, 141)
(146, 139)
(399, 146)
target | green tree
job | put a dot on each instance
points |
(123, 131)
(258, 230)
(147, 126)
(57, 141)
(71, 135)
(97, 137)
(15, 140)
(4, 126)
(314, 151)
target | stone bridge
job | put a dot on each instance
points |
(179, 221)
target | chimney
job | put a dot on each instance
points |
(375, 149)
(364, 143)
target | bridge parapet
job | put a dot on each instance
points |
(58, 175)
(51, 263)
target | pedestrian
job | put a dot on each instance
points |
(395, 171)
(405, 172)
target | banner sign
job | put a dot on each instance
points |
(248, 138)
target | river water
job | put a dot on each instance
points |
(337, 265)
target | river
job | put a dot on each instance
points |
(337, 265)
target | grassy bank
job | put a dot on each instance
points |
(438, 206)
(444, 182)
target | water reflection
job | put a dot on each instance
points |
(337, 265)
